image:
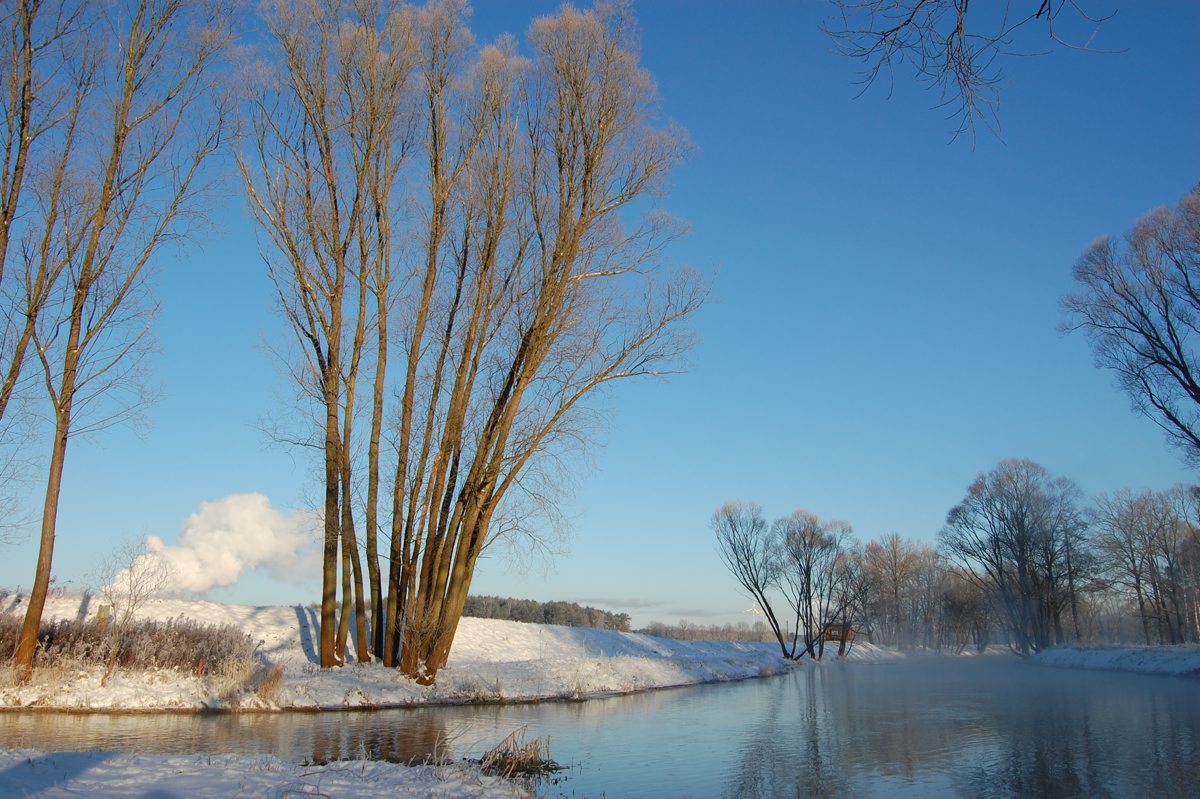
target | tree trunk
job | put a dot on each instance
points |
(329, 552)
(27, 644)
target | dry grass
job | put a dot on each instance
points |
(270, 680)
(57, 672)
(179, 644)
(516, 757)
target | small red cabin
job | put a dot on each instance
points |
(838, 632)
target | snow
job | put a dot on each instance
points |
(48, 775)
(491, 661)
(1166, 660)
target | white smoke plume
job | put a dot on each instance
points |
(231, 535)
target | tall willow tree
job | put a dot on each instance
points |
(547, 297)
(515, 285)
(115, 104)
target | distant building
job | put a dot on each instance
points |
(838, 632)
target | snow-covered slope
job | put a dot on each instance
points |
(1170, 660)
(491, 661)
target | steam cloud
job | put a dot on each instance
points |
(230, 535)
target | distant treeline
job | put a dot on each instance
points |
(686, 631)
(569, 614)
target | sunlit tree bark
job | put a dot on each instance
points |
(324, 148)
(559, 291)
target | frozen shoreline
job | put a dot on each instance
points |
(492, 661)
(1176, 661)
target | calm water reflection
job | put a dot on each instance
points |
(986, 727)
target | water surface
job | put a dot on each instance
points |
(980, 727)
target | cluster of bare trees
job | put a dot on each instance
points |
(450, 227)
(684, 630)
(815, 565)
(1022, 559)
(1147, 554)
(530, 611)
(1020, 531)
(1125, 568)
(892, 591)
(448, 234)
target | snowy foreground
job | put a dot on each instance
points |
(48, 775)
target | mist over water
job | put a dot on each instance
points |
(979, 727)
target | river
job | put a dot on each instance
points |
(981, 727)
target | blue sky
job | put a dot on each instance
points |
(882, 323)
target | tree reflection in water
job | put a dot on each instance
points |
(416, 738)
(981, 729)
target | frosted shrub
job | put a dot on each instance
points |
(176, 644)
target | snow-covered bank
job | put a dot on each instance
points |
(1170, 660)
(105, 774)
(491, 661)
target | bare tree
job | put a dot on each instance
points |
(1015, 526)
(327, 142)
(890, 564)
(1144, 540)
(36, 51)
(966, 611)
(819, 573)
(127, 578)
(1125, 524)
(41, 103)
(745, 544)
(123, 173)
(558, 299)
(801, 550)
(1138, 301)
(956, 46)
